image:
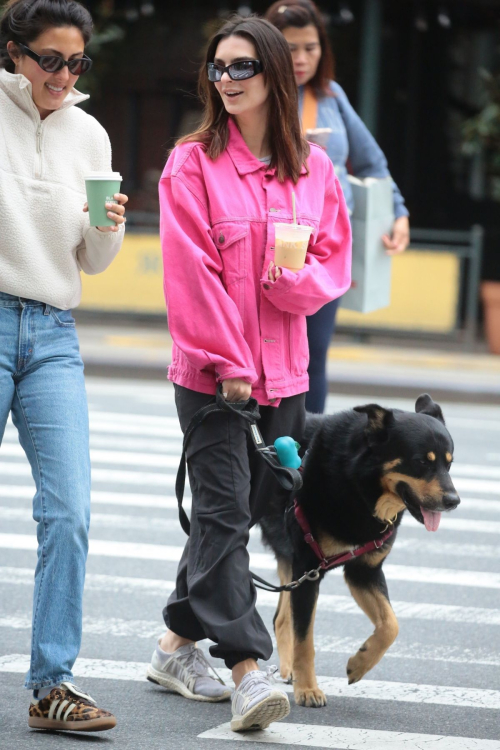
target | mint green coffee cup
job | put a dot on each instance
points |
(101, 188)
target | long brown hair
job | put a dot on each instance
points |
(289, 149)
(300, 13)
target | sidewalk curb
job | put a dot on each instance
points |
(387, 388)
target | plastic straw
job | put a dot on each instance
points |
(293, 208)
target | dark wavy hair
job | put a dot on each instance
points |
(289, 150)
(24, 20)
(300, 13)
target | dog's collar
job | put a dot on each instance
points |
(326, 563)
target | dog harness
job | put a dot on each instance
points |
(327, 563)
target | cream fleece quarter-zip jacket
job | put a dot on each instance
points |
(45, 237)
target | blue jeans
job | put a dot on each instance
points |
(41, 383)
(320, 329)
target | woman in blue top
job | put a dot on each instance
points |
(350, 142)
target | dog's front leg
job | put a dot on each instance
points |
(305, 687)
(368, 587)
(283, 623)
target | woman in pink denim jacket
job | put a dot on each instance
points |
(239, 320)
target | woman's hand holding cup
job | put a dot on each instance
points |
(236, 389)
(115, 212)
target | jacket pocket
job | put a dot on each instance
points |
(231, 240)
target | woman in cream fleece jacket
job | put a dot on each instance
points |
(47, 145)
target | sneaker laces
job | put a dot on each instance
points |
(254, 681)
(196, 661)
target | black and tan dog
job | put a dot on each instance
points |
(363, 469)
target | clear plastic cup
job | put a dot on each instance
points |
(290, 246)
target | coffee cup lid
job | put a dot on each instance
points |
(103, 176)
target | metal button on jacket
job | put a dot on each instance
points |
(222, 239)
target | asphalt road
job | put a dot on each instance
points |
(437, 687)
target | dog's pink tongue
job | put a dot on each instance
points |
(431, 519)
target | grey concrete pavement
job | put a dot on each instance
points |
(441, 678)
(393, 368)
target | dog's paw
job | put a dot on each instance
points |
(359, 664)
(310, 697)
(286, 673)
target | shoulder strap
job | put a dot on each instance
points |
(309, 110)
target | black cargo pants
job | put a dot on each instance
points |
(231, 488)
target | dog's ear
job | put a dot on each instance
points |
(379, 422)
(425, 405)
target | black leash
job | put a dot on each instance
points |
(290, 479)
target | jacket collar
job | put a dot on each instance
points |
(18, 89)
(243, 159)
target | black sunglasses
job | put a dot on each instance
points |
(53, 63)
(238, 71)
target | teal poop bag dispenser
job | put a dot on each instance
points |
(287, 451)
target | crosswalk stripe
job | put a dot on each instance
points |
(119, 418)
(456, 524)
(118, 442)
(263, 561)
(129, 499)
(114, 476)
(476, 505)
(327, 602)
(168, 461)
(475, 470)
(154, 523)
(475, 486)
(164, 461)
(412, 651)
(483, 486)
(332, 686)
(113, 520)
(342, 738)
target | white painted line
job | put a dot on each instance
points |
(154, 523)
(129, 499)
(104, 520)
(475, 470)
(450, 523)
(327, 602)
(473, 424)
(135, 429)
(26, 492)
(342, 738)
(482, 486)
(332, 686)
(110, 457)
(263, 561)
(490, 551)
(96, 582)
(407, 649)
(117, 442)
(120, 418)
(114, 476)
(99, 668)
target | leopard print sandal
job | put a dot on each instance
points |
(68, 708)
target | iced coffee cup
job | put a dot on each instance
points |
(290, 246)
(101, 188)
(319, 136)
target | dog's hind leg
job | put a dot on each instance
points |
(283, 622)
(368, 587)
(305, 687)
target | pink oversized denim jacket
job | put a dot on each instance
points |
(227, 320)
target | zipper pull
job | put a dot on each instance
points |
(39, 139)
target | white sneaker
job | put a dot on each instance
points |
(256, 703)
(186, 671)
